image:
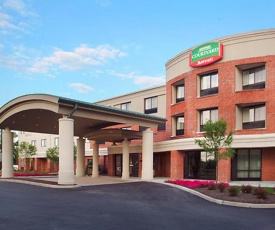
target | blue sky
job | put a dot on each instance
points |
(96, 49)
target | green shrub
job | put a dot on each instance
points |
(246, 188)
(232, 190)
(260, 193)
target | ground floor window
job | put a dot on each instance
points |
(199, 165)
(247, 164)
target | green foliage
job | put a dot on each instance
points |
(53, 154)
(216, 141)
(15, 149)
(26, 150)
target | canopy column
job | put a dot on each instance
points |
(66, 152)
(80, 158)
(125, 160)
(147, 155)
(7, 154)
(95, 160)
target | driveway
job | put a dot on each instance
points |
(139, 205)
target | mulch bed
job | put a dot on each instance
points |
(36, 180)
(241, 197)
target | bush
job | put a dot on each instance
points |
(211, 186)
(221, 187)
(260, 193)
(246, 188)
(233, 190)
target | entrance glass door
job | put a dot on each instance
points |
(134, 165)
(118, 165)
(199, 165)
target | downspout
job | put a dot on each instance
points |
(74, 109)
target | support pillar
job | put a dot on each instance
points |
(95, 160)
(7, 154)
(66, 152)
(125, 160)
(147, 155)
(80, 158)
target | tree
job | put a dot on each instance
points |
(26, 150)
(216, 142)
(53, 154)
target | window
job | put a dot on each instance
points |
(33, 142)
(180, 125)
(249, 164)
(126, 106)
(254, 117)
(151, 105)
(206, 115)
(43, 143)
(56, 141)
(179, 93)
(209, 84)
(161, 127)
(254, 78)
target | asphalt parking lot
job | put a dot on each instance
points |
(139, 205)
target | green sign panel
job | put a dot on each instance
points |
(206, 54)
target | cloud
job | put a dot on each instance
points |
(81, 57)
(143, 81)
(16, 5)
(81, 88)
(147, 81)
(13, 16)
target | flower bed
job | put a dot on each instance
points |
(194, 183)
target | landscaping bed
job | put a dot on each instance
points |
(211, 189)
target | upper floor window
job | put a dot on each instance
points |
(43, 143)
(206, 115)
(151, 105)
(179, 93)
(209, 84)
(180, 125)
(254, 117)
(126, 106)
(254, 78)
(33, 142)
(56, 141)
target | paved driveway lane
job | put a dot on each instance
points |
(138, 205)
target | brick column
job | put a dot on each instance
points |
(224, 170)
(177, 162)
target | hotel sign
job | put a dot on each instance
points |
(206, 54)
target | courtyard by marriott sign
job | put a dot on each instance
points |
(206, 54)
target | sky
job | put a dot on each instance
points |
(92, 50)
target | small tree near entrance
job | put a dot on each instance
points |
(53, 154)
(216, 142)
(26, 150)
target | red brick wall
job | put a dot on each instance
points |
(224, 170)
(268, 164)
(177, 162)
(225, 100)
(111, 165)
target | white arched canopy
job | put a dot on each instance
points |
(66, 117)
